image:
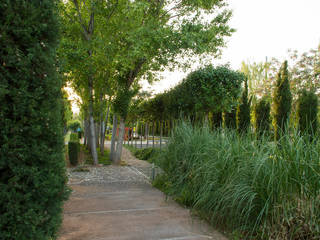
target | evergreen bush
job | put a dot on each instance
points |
(32, 164)
(307, 111)
(243, 111)
(282, 99)
(73, 151)
(262, 116)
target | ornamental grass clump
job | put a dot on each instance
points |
(258, 188)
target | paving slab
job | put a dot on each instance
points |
(117, 203)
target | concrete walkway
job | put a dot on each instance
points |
(118, 203)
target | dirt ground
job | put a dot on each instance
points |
(119, 203)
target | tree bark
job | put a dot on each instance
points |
(153, 135)
(113, 138)
(147, 133)
(160, 135)
(118, 153)
(141, 135)
(103, 133)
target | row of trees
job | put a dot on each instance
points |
(108, 46)
(211, 95)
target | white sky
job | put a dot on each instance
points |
(264, 28)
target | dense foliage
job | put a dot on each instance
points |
(307, 111)
(207, 90)
(32, 164)
(243, 111)
(253, 188)
(282, 100)
(261, 115)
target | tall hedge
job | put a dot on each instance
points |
(307, 110)
(32, 165)
(243, 110)
(282, 100)
(262, 116)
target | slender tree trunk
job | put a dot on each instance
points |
(103, 134)
(118, 153)
(113, 138)
(92, 127)
(147, 133)
(153, 135)
(136, 133)
(85, 135)
(128, 133)
(160, 135)
(141, 127)
(97, 133)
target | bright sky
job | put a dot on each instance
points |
(265, 28)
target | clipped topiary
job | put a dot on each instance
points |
(282, 100)
(32, 163)
(307, 111)
(262, 117)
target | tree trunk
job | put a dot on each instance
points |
(93, 145)
(113, 138)
(153, 135)
(85, 135)
(103, 133)
(118, 153)
(141, 135)
(97, 125)
(160, 135)
(92, 127)
(147, 133)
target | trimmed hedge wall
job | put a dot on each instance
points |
(32, 164)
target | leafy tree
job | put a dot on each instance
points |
(243, 111)
(282, 100)
(32, 164)
(305, 72)
(307, 110)
(261, 117)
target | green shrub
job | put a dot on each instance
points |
(32, 165)
(282, 99)
(253, 187)
(262, 117)
(307, 111)
(243, 111)
(73, 125)
(73, 151)
(74, 137)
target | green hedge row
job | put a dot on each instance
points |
(32, 164)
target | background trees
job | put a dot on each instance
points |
(32, 167)
(153, 36)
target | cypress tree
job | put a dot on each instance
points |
(307, 111)
(32, 165)
(262, 116)
(243, 111)
(282, 100)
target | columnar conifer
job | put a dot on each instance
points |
(243, 111)
(262, 116)
(282, 99)
(307, 110)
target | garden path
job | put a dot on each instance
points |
(119, 203)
